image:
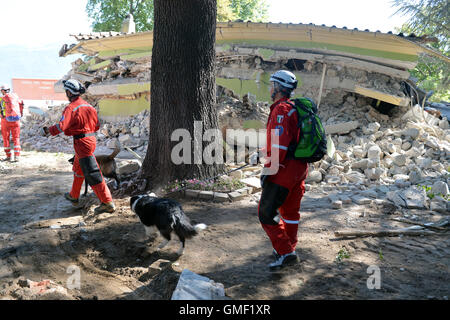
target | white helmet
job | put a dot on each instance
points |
(5, 87)
(74, 86)
(285, 78)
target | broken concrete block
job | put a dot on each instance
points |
(400, 160)
(333, 179)
(345, 199)
(359, 152)
(128, 166)
(412, 198)
(443, 124)
(355, 177)
(252, 182)
(423, 163)
(439, 204)
(371, 128)
(373, 173)
(341, 128)
(192, 286)
(411, 132)
(406, 146)
(361, 200)
(374, 152)
(236, 196)
(415, 175)
(414, 152)
(314, 176)
(440, 188)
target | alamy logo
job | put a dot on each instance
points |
(189, 150)
(374, 281)
(74, 281)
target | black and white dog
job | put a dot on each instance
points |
(165, 215)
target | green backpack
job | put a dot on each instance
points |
(312, 143)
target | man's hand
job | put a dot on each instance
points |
(44, 132)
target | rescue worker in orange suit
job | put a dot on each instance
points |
(13, 112)
(283, 185)
(80, 120)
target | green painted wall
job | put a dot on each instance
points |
(113, 107)
(261, 88)
(318, 45)
(132, 88)
(120, 52)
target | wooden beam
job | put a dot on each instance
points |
(371, 93)
(382, 233)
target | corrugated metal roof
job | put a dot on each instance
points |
(102, 35)
(97, 35)
(92, 40)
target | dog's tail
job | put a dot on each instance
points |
(185, 229)
(116, 149)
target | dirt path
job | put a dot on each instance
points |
(41, 235)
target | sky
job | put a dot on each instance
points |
(34, 31)
(362, 14)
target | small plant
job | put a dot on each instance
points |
(380, 255)
(342, 254)
(431, 195)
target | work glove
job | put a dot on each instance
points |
(254, 158)
(262, 179)
(44, 132)
(265, 173)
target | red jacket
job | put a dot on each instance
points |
(77, 118)
(13, 107)
(281, 125)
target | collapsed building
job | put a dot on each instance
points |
(330, 62)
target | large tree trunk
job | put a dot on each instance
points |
(183, 86)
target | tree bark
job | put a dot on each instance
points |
(183, 88)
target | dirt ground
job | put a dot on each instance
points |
(42, 235)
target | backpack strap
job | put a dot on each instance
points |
(293, 145)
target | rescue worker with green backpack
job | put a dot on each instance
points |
(295, 136)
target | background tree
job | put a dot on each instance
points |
(183, 86)
(432, 18)
(108, 15)
(224, 11)
(253, 10)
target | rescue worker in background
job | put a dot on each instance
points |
(3, 121)
(80, 120)
(282, 191)
(13, 112)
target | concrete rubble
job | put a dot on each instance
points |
(376, 151)
(25, 289)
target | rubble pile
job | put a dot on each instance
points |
(102, 74)
(96, 69)
(377, 153)
(388, 156)
(132, 132)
